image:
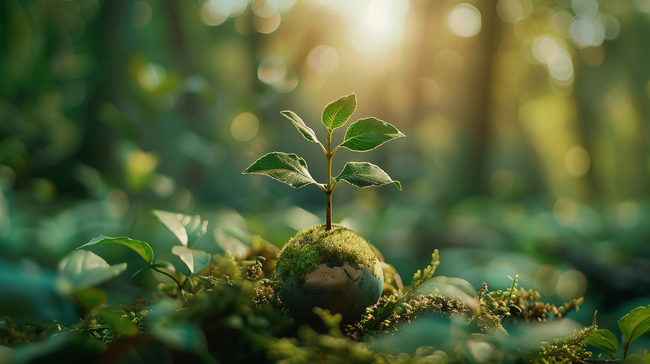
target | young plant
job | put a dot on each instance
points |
(361, 136)
(632, 325)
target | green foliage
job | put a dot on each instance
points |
(362, 135)
(566, 350)
(83, 269)
(364, 174)
(603, 339)
(367, 134)
(633, 325)
(143, 249)
(286, 168)
(337, 112)
(193, 258)
(188, 229)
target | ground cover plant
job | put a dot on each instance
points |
(226, 309)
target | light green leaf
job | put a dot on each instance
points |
(364, 174)
(143, 249)
(337, 112)
(634, 324)
(635, 358)
(83, 269)
(194, 259)
(121, 325)
(188, 229)
(603, 339)
(367, 134)
(283, 167)
(306, 131)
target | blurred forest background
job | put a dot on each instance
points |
(526, 127)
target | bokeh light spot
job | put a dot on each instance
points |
(448, 63)
(244, 127)
(577, 161)
(464, 20)
(565, 211)
(272, 70)
(267, 25)
(512, 10)
(571, 284)
(118, 203)
(323, 59)
(546, 278)
(214, 12)
(141, 14)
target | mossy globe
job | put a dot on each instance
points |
(335, 270)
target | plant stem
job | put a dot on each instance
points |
(174, 278)
(328, 188)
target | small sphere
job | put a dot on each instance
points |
(336, 270)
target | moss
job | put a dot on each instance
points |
(302, 254)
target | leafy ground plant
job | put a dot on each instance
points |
(632, 325)
(361, 136)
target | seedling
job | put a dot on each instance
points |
(361, 136)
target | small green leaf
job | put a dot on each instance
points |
(194, 259)
(120, 324)
(306, 131)
(337, 112)
(143, 249)
(634, 324)
(188, 229)
(283, 167)
(83, 269)
(364, 174)
(367, 134)
(603, 339)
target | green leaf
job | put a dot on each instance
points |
(603, 339)
(83, 269)
(364, 174)
(194, 259)
(634, 324)
(367, 134)
(143, 249)
(635, 358)
(337, 112)
(120, 324)
(286, 168)
(306, 131)
(188, 229)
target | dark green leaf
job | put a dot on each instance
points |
(367, 134)
(194, 259)
(603, 339)
(337, 112)
(82, 269)
(188, 229)
(120, 324)
(364, 174)
(143, 249)
(635, 323)
(286, 168)
(306, 131)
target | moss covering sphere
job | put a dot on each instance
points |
(335, 270)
